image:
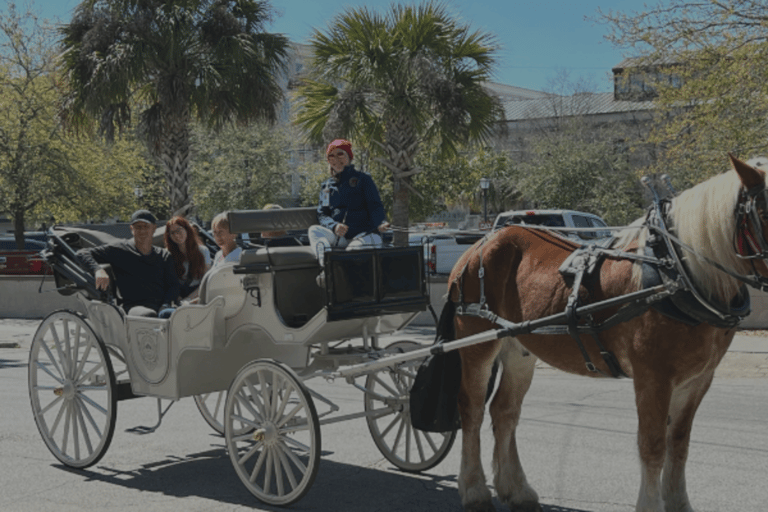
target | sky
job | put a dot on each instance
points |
(540, 40)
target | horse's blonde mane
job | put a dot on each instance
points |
(703, 218)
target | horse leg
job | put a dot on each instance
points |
(509, 477)
(476, 364)
(685, 402)
(652, 396)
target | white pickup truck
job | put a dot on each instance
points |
(556, 219)
(444, 247)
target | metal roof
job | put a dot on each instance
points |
(568, 106)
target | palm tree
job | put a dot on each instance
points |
(174, 60)
(398, 81)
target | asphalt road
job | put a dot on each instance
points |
(577, 443)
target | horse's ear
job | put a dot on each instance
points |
(751, 177)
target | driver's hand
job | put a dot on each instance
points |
(341, 229)
(102, 279)
(384, 226)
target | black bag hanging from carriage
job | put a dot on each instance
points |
(435, 392)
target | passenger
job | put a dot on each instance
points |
(229, 250)
(190, 256)
(145, 275)
(350, 212)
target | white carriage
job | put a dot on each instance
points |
(262, 329)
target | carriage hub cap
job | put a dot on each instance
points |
(67, 391)
(266, 434)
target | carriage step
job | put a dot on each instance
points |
(141, 429)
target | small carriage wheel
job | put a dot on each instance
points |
(211, 406)
(72, 389)
(278, 456)
(388, 392)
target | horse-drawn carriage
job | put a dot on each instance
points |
(660, 305)
(261, 329)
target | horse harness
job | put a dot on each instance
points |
(665, 279)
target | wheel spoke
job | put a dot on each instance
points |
(95, 405)
(90, 417)
(283, 403)
(53, 402)
(44, 367)
(386, 386)
(52, 359)
(248, 422)
(245, 402)
(278, 471)
(257, 466)
(65, 364)
(259, 403)
(254, 449)
(268, 472)
(84, 359)
(90, 373)
(296, 461)
(284, 455)
(290, 415)
(83, 427)
(394, 421)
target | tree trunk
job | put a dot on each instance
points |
(401, 198)
(400, 149)
(18, 228)
(172, 145)
(174, 158)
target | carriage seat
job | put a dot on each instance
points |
(266, 259)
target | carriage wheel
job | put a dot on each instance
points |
(388, 393)
(72, 389)
(278, 454)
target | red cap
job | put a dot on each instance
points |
(341, 144)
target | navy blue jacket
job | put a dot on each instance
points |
(143, 280)
(350, 198)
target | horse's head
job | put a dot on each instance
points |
(752, 209)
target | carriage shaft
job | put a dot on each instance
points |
(647, 296)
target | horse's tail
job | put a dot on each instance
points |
(446, 329)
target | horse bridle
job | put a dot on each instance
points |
(751, 212)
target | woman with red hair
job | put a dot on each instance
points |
(190, 257)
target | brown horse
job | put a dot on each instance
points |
(671, 362)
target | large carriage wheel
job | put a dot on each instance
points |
(72, 389)
(274, 438)
(388, 391)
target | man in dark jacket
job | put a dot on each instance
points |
(144, 274)
(350, 212)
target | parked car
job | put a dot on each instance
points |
(26, 261)
(443, 248)
(556, 219)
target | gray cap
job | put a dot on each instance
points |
(143, 216)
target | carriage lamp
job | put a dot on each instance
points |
(485, 184)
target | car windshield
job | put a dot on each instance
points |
(551, 220)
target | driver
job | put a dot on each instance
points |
(145, 274)
(350, 212)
